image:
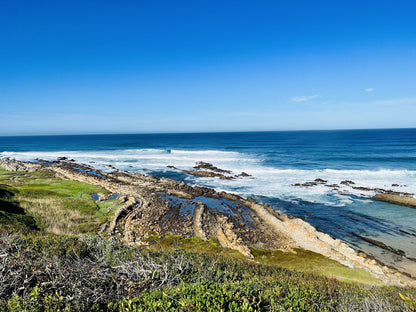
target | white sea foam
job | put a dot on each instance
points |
(266, 181)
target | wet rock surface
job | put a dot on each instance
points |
(211, 167)
(164, 206)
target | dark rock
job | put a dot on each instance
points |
(362, 188)
(209, 174)
(334, 187)
(208, 166)
(408, 233)
(244, 174)
(347, 182)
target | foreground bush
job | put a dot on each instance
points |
(41, 272)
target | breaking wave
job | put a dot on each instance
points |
(266, 180)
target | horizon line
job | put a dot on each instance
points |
(201, 132)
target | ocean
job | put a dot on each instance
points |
(277, 162)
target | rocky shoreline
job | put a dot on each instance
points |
(386, 195)
(164, 206)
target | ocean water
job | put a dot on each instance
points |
(276, 162)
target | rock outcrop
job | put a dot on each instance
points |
(13, 165)
(204, 169)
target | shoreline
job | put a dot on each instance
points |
(381, 194)
(150, 200)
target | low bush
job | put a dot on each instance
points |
(45, 272)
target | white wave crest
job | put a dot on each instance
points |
(267, 180)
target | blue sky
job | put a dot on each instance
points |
(72, 67)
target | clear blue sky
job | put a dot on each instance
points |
(69, 67)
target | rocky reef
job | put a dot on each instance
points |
(204, 169)
(386, 195)
(163, 206)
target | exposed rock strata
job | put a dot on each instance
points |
(198, 212)
(121, 212)
(160, 206)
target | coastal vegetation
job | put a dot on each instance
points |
(52, 259)
(55, 205)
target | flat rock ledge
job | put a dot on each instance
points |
(163, 206)
(397, 199)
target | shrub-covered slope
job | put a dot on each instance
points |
(45, 272)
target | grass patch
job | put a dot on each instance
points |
(171, 243)
(308, 261)
(301, 261)
(10, 223)
(12, 216)
(107, 207)
(59, 206)
(5, 175)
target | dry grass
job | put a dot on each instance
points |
(53, 216)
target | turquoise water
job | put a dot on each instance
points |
(276, 161)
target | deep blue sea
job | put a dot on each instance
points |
(276, 161)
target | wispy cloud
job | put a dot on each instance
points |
(246, 114)
(303, 98)
(369, 90)
(395, 102)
